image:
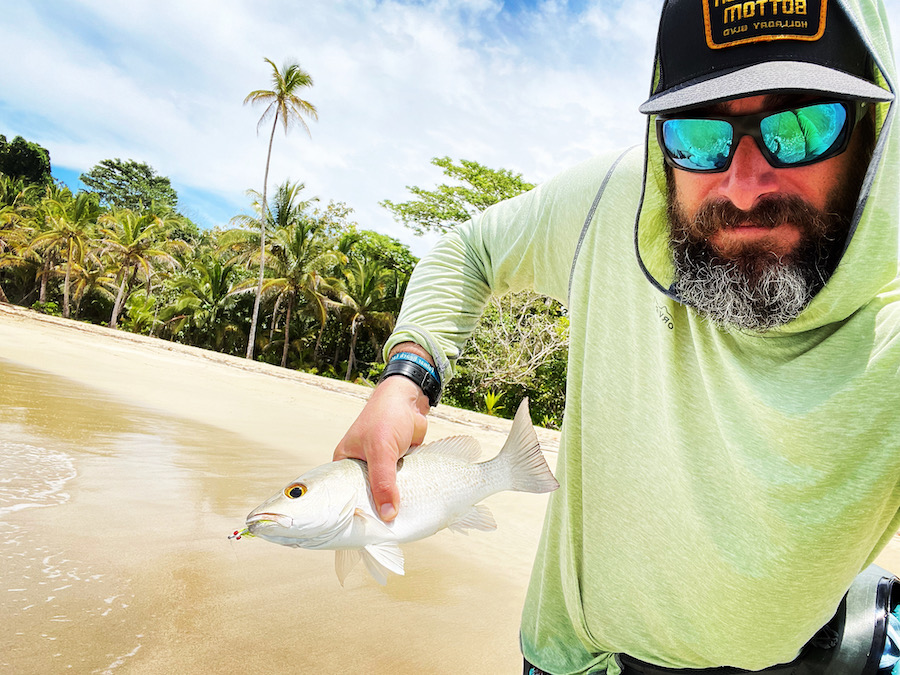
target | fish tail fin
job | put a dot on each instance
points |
(521, 456)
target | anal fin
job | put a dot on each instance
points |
(479, 517)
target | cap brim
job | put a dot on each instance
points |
(798, 76)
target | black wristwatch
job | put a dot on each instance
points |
(416, 369)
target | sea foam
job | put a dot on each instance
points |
(32, 476)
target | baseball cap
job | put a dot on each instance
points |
(715, 50)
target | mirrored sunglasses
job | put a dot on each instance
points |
(786, 138)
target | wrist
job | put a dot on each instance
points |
(413, 367)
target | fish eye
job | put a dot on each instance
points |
(295, 490)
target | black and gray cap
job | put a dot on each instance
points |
(715, 50)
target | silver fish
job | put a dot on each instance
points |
(440, 485)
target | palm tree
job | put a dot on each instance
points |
(15, 202)
(91, 277)
(44, 255)
(282, 103)
(365, 300)
(298, 253)
(70, 224)
(204, 298)
(133, 241)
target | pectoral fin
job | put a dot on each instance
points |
(381, 559)
(479, 517)
(370, 525)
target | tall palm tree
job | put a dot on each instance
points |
(70, 225)
(282, 103)
(133, 241)
(365, 298)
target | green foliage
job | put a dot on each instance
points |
(440, 209)
(366, 297)
(23, 160)
(50, 307)
(369, 246)
(130, 185)
(520, 348)
(492, 405)
(282, 100)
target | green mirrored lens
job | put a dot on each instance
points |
(698, 144)
(801, 135)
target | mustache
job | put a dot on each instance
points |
(768, 212)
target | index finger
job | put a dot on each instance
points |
(382, 464)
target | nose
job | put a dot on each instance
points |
(749, 177)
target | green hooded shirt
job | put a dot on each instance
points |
(720, 488)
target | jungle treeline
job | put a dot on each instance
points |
(331, 290)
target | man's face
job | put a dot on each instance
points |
(753, 244)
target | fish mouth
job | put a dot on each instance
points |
(277, 518)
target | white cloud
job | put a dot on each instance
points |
(396, 83)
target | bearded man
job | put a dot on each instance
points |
(729, 472)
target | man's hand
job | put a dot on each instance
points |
(392, 421)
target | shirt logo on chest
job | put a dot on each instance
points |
(665, 317)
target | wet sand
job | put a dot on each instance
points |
(148, 454)
(128, 567)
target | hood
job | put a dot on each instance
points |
(870, 263)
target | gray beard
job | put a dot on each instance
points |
(757, 290)
(726, 294)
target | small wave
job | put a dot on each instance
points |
(32, 476)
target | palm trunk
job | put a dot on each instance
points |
(155, 318)
(3, 297)
(316, 349)
(351, 359)
(376, 346)
(117, 307)
(275, 311)
(45, 275)
(287, 332)
(66, 284)
(251, 343)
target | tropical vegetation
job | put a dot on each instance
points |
(290, 282)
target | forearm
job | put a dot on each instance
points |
(443, 303)
(528, 242)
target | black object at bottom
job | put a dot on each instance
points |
(850, 644)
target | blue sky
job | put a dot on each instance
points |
(533, 86)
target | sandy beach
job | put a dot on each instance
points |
(126, 462)
(129, 460)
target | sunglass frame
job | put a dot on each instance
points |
(751, 125)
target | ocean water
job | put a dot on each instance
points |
(32, 476)
(104, 510)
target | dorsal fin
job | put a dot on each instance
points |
(465, 448)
